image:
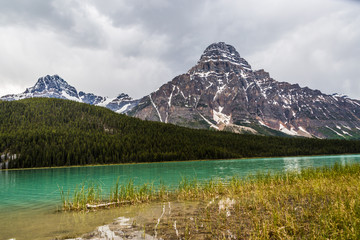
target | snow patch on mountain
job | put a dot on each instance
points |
(220, 117)
(157, 110)
(210, 123)
(287, 131)
(335, 132)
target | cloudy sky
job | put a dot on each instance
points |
(134, 46)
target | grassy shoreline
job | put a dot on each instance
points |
(316, 203)
(199, 160)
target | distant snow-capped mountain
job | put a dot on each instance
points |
(56, 87)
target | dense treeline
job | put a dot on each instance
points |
(53, 132)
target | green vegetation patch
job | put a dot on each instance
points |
(262, 130)
(320, 203)
(54, 132)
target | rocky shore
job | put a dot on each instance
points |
(121, 228)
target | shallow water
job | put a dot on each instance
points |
(29, 198)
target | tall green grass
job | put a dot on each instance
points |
(193, 189)
(315, 203)
(85, 193)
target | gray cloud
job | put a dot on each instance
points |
(32, 14)
(134, 46)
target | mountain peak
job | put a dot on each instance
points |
(49, 83)
(53, 86)
(222, 52)
(124, 96)
(221, 48)
(51, 79)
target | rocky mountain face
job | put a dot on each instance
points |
(56, 87)
(223, 92)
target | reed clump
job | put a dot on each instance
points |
(84, 195)
(316, 203)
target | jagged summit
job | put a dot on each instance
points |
(223, 53)
(52, 86)
(221, 49)
(48, 86)
(49, 83)
(122, 103)
(124, 96)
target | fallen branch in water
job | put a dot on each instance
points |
(105, 204)
(100, 205)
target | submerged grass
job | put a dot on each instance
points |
(321, 203)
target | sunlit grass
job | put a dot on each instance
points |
(316, 203)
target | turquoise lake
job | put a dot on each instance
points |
(29, 198)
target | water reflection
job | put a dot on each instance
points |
(292, 164)
(345, 161)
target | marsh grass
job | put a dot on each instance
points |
(316, 203)
(85, 193)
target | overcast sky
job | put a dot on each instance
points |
(135, 46)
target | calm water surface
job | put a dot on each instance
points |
(29, 198)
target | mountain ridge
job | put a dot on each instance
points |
(223, 92)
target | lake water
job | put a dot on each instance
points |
(29, 198)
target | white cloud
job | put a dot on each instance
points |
(135, 46)
(320, 54)
(124, 60)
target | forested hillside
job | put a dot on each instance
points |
(54, 132)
